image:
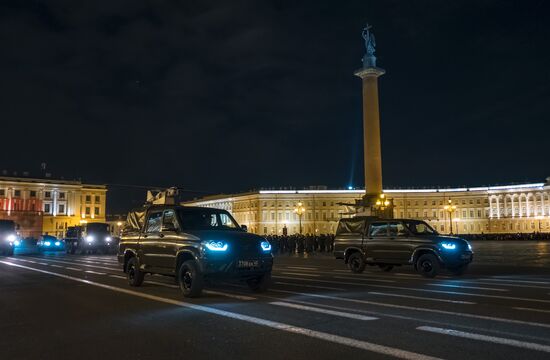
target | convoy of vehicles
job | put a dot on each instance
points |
(362, 241)
(92, 237)
(193, 244)
(8, 237)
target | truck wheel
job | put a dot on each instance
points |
(260, 284)
(460, 270)
(356, 263)
(133, 273)
(427, 265)
(190, 279)
(386, 268)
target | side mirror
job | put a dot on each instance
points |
(244, 227)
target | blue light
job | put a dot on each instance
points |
(47, 243)
(216, 246)
(266, 246)
(57, 243)
(350, 187)
(448, 245)
(17, 243)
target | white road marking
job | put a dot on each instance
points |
(422, 298)
(117, 276)
(517, 281)
(75, 263)
(94, 272)
(300, 274)
(72, 268)
(395, 306)
(172, 286)
(302, 268)
(531, 309)
(363, 279)
(468, 287)
(492, 339)
(336, 339)
(324, 311)
(229, 295)
(56, 266)
(309, 286)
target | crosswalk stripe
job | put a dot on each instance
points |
(363, 279)
(309, 286)
(531, 309)
(300, 274)
(323, 311)
(492, 339)
(468, 287)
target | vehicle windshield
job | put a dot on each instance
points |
(419, 227)
(206, 219)
(97, 227)
(7, 225)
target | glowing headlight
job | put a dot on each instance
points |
(17, 243)
(89, 238)
(11, 238)
(448, 245)
(108, 239)
(469, 247)
(57, 243)
(216, 245)
(266, 246)
(47, 243)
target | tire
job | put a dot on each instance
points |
(459, 270)
(260, 284)
(133, 273)
(190, 279)
(386, 268)
(356, 263)
(428, 265)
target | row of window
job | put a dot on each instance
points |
(48, 195)
(442, 202)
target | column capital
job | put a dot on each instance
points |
(370, 71)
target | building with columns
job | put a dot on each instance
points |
(522, 208)
(48, 206)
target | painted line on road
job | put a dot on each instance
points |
(323, 311)
(72, 268)
(517, 281)
(414, 308)
(309, 286)
(229, 295)
(363, 279)
(531, 309)
(300, 274)
(94, 272)
(358, 344)
(422, 298)
(468, 287)
(492, 339)
(302, 268)
(56, 266)
(75, 263)
(117, 276)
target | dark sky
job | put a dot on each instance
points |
(227, 96)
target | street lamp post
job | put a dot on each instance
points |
(450, 208)
(300, 210)
(383, 206)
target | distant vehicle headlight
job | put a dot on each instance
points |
(89, 238)
(448, 245)
(216, 245)
(47, 243)
(11, 238)
(57, 243)
(469, 247)
(266, 246)
(17, 243)
(108, 239)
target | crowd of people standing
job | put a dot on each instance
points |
(300, 244)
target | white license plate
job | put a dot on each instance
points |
(248, 263)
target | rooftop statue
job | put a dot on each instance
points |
(369, 60)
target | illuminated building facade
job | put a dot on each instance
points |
(48, 206)
(521, 208)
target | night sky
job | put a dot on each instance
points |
(225, 96)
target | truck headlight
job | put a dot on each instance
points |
(448, 245)
(17, 243)
(57, 243)
(89, 238)
(108, 239)
(216, 245)
(266, 246)
(47, 243)
(11, 238)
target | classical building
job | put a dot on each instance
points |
(497, 209)
(48, 206)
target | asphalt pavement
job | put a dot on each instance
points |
(59, 306)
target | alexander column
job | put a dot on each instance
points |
(373, 203)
